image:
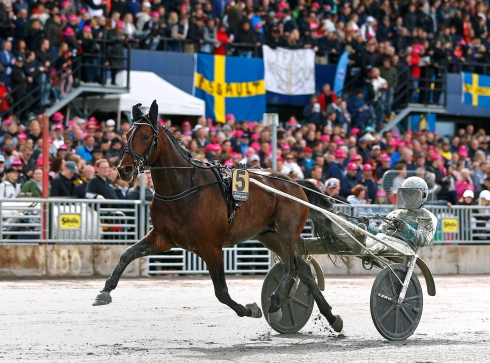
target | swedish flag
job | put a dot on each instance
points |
(230, 85)
(476, 89)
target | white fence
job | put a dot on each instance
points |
(79, 221)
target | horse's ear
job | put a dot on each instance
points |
(137, 112)
(153, 114)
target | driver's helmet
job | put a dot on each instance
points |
(412, 194)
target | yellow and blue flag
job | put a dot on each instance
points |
(230, 85)
(476, 89)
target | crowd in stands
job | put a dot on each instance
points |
(346, 164)
(389, 42)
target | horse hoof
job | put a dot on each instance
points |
(104, 298)
(338, 324)
(275, 317)
(254, 308)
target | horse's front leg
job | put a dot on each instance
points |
(150, 244)
(216, 268)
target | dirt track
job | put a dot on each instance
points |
(180, 320)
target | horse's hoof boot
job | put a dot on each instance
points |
(256, 312)
(338, 324)
(104, 298)
(275, 317)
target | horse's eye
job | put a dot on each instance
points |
(146, 137)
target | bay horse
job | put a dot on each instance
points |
(189, 211)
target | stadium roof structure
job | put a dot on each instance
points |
(146, 87)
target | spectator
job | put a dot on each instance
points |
(480, 174)
(464, 183)
(19, 86)
(350, 180)
(358, 195)
(80, 190)
(114, 154)
(312, 113)
(100, 186)
(316, 176)
(86, 150)
(336, 168)
(209, 37)
(368, 181)
(7, 60)
(332, 189)
(116, 40)
(62, 185)
(9, 188)
(222, 40)
(134, 192)
(468, 198)
(34, 187)
(122, 188)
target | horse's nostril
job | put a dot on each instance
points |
(127, 169)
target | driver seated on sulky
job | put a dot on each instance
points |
(410, 226)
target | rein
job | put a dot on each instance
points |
(142, 161)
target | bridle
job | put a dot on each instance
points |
(142, 161)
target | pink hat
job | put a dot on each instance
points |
(69, 32)
(385, 157)
(292, 122)
(186, 123)
(187, 132)
(58, 116)
(255, 146)
(58, 127)
(50, 140)
(279, 15)
(282, 5)
(63, 147)
(394, 134)
(401, 144)
(230, 116)
(340, 154)
(355, 131)
(16, 162)
(339, 142)
(381, 193)
(72, 17)
(239, 133)
(255, 137)
(65, 3)
(280, 158)
(209, 147)
(92, 119)
(268, 153)
(315, 6)
(120, 24)
(39, 162)
(82, 11)
(351, 166)
(325, 138)
(63, 17)
(155, 14)
(462, 148)
(229, 162)
(285, 147)
(87, 28)
(436, 156)
(21, 136)
(367, 167)
(356, 157)
(392, 143)
(250, 152)
(236, 155)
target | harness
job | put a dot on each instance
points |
(142, 162)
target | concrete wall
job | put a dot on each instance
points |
(442, 260)
(64, 260)
(100, 260)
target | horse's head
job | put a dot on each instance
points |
(142, 142)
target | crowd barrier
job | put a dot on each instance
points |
(76, 222)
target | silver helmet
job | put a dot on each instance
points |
(412, 194)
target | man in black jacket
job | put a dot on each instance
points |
(101, 186)
(80, 190)
(19, 86)
(62, 185)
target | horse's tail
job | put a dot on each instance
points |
(324, 230)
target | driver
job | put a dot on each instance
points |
(409, 226)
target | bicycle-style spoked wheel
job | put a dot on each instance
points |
(396, 321)
(296, 311)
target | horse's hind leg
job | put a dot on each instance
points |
(279, 296)
(148, 245)
(216, 268)
(305, 275)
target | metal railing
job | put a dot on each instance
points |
(86, 222)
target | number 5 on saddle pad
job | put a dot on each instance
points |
(239, 185)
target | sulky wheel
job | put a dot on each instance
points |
(396, 321)
(296, 311)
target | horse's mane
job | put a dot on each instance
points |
(177, 141)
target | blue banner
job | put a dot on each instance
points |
(230, 85)
(476, 89)
(341, 73)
